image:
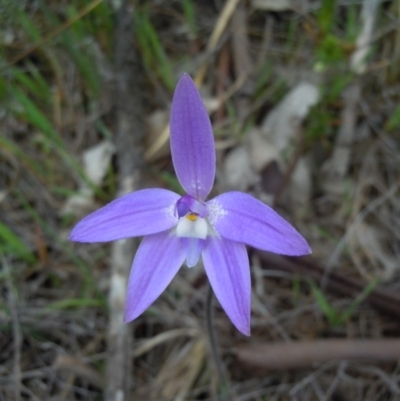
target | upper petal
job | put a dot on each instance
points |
(143, 212)
(227, 267)
(157, 260)
(240, 217)
(192, 140)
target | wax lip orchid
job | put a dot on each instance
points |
(178, 228)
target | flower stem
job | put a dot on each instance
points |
(222, 385)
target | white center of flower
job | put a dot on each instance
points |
(192, 226)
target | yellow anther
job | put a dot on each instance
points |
(191, 216)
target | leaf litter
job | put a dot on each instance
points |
(59, 304)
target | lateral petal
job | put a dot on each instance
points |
(157, 261)
(227, 267)
(143, 212)
(192, 140)
(240, 217)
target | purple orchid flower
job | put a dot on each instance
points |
(184, 227)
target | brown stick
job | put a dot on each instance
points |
(297, 355)
(129, 133)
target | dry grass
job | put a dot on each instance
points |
(57, 103)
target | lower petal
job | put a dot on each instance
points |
(157, 261)
(227, 267)
(193, 248)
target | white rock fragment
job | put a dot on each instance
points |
(96, 161)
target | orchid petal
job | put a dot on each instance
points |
(188, 204)
(227, 267)
(139, 213)
(157, 261)
(193, 248)
(240, 217)
(192, 141)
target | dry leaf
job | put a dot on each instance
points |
(280, 126)
(238, 169)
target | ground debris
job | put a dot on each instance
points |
(303, 97)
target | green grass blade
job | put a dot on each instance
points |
(326, 15)
(154, 54)
(32, 83)
(327, 309)
(34, 116)
(28, 26)
(29, 162)
(10, 243)
(349, 312)
(83, 61)
(190, 16)
(89, 283)
(76, 303)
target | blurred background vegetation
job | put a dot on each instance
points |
(304, 99)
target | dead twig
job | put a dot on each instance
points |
(17, 339)
(219, 29)
(163, 337)
(225, 16)
(363, 44)
(299, 148)
(381, 299)
(223, 382)
(303, 354)
(73, 365)
(336, 168)
(240, 43)
(130, 129)
(354, 224)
